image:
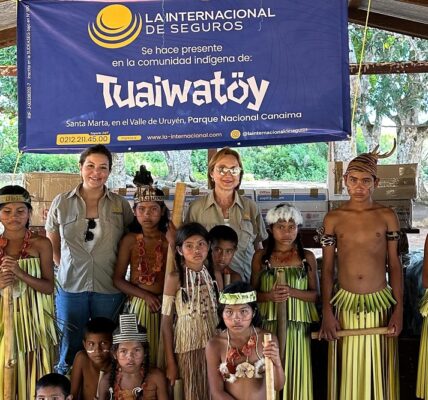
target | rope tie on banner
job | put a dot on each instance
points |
(360, 64)
(18, 157)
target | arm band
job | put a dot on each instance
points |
(325, 239)
(167, 304)
(393, 235)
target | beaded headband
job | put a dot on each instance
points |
(128, 330)
(238, 298)
(284, 212)
(14, 198)
(147, 193)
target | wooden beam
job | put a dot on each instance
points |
(8, 37)
(388, 23)
(8, 70)
(411, 67)
(354, 3)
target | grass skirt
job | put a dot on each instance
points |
(422, 380)
(151, 321)
(369, 364)
(35, 334)
(193, 371)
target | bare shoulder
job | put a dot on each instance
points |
(40, 242)
(156, 376)
(389, 216)
(309, 255)
(129, 239)
(216, 341)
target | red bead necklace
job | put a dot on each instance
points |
(147, 274)
(25, 245)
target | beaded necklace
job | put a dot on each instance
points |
(147, 275)
(288, 256)
(136, 392)
(25, 245)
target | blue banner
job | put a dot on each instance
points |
(181, 74)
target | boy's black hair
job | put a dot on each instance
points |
(223, 232)
(16, 189)
(115, 364)
(239, 287)
(54, 380)
(99, 325)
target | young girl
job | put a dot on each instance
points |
(191, 289)
(285, 255)
(235, 357)
(26, 266)
(422, 380)
(131, 376)
(145, 249)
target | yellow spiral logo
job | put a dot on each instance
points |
(235, 134)
(115, 27)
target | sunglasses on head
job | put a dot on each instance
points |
(88, 234)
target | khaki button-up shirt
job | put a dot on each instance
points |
(81, 269)
(244, 218)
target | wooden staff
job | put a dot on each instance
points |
(270, 382)
(226, 278)
(281, 318)
(9, 344)
(357, 332)
(177, 220)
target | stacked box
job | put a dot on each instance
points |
(43, 187)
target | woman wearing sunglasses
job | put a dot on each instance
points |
(85, 226)
(225, 206)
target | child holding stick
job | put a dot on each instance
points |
(285, 275)
(189, 295)
(235, 357)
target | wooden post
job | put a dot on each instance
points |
(270, 382)
(281, 318)
(226, 279)
(9, 345)
(357, 332)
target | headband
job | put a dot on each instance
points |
(147, 193)
(128, 330)
(238, 298)
(367, 162)
(284, 212)
(14, 198)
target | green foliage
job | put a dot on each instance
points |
(153, 160)
(8, 86)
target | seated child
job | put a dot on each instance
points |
(236, 356)
(90, 364)
(224, 242)
(131, 376)
(53, 386)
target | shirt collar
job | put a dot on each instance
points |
(76, 192)
(211, 200)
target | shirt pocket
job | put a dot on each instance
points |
(247, 235)
(70, 228)
(115, 227)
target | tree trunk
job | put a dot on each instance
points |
(179, 165)
(117, 177)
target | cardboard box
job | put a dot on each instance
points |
(290, 195)
(403, 209)
(396, 181)
(44, 186)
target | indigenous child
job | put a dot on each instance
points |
(235, 357)
(26, 267)
(53, 386)
(92, 363)
(298, 287)
(366, 236)
(131, 376)
(224, 242)
(145, 248)
(422, 380)
(190, 295)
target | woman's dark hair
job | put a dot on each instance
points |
(16, 189)
(270, 246)
(115, 364)
(239, 287)
(54, 380)
(183, 233)
(97, 149)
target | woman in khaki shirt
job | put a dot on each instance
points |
(225, 206)
(85, 226)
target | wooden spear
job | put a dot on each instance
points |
(177, 220)
(9, 344)
(270, 382)
(357, 332)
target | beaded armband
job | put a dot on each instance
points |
(167, 304)
(393, 235)
(325, 239)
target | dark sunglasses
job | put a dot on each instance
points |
(88, 234)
